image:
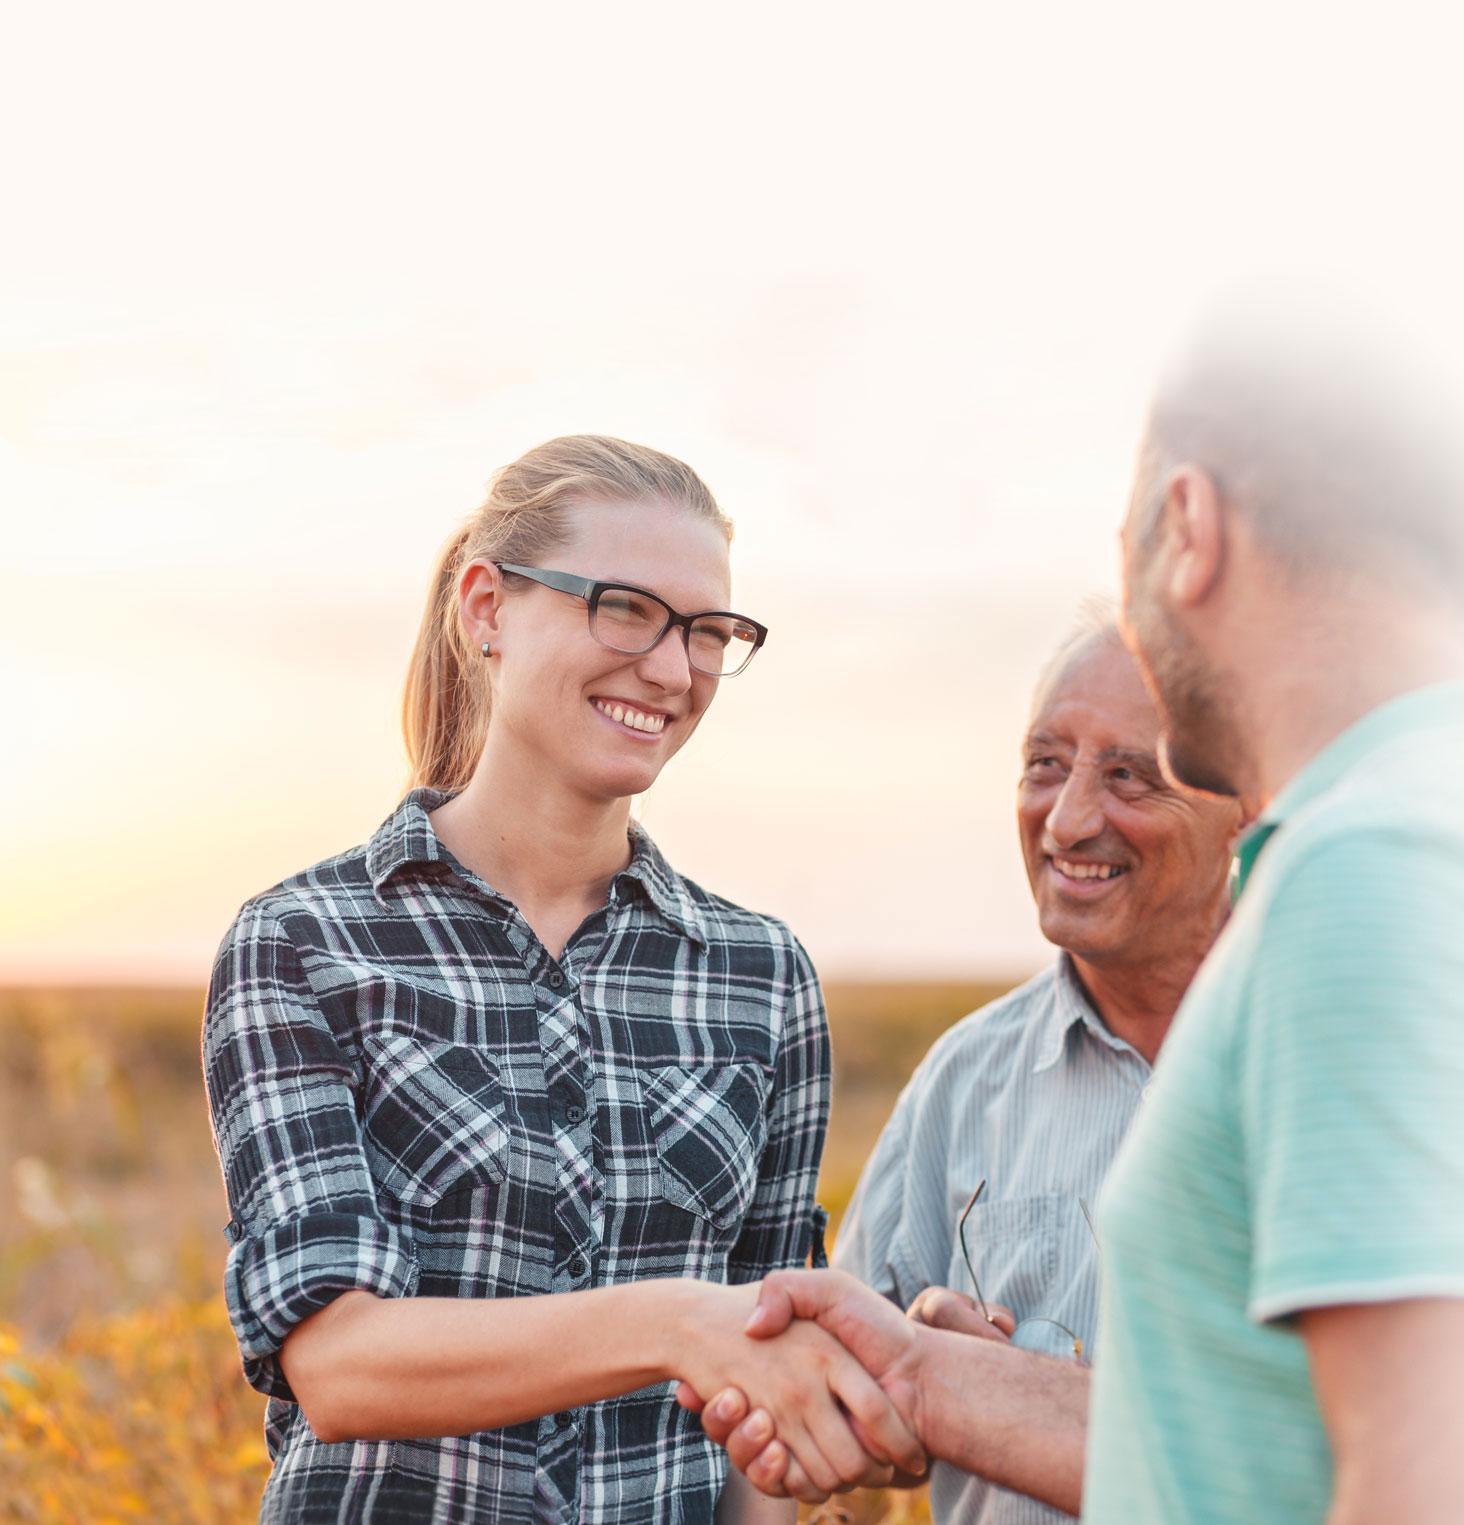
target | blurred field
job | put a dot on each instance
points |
(120, 1393)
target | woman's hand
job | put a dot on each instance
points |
(752, 1445)
(837, 1427)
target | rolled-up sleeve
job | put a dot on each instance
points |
(304, 1225)
(779, 1226)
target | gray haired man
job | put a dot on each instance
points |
(1033, 1094)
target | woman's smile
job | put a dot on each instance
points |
(637, 720)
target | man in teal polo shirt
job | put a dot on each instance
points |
(1283, 1302)
(1283, 1232)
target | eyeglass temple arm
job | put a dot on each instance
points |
(966, 1253)
(1087, 1214)
(562, 582)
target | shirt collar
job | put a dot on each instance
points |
(1415, 711)
(665, 888)
(406, 839)
(1069, 1005)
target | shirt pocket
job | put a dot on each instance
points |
(434, 1119)
(1013, 1249)
(709, 1126)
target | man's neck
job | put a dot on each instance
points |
(1137, 998)
(1300, 690)
(536, 841)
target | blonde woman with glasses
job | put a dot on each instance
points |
(510, 1113)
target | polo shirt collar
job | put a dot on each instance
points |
(1437, 703)
(406, 839)
(1069, 1005)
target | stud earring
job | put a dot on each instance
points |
(487, 650)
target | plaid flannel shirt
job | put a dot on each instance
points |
(411, 1096)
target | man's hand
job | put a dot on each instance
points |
(748, 1434)
(1014, 1417)
(829, 1412)
(942, 1308)
(872, 1331)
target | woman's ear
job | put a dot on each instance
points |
(1194, 527)
(480, 599)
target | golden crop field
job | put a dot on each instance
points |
(120, 1393)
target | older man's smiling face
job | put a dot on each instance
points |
(1122, 865)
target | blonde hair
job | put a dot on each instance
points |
(445, 708)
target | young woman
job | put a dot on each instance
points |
(504, 1103)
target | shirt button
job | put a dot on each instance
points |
(556, 979)
(563, 1420)
(574, 1115)
(578, 1265)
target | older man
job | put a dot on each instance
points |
(1033, 1094)
(1283, 1300)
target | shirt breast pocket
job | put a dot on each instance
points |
(434, 1120)
(1013, 1249)
(709, 1126)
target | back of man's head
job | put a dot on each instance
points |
(1341, 439)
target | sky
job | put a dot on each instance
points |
(281, 288)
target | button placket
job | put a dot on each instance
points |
(565, 1044)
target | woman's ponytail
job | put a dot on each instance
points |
(445, 706)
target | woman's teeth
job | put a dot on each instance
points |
(651, 724)
(1087, 870)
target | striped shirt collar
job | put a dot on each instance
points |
(406, 839)
(1068, 1006)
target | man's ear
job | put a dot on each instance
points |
(1194, 529)
(480, 602)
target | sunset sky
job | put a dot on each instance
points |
(283, 286)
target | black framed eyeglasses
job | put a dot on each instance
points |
(629, 619)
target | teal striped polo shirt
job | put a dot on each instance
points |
(1303, 1141)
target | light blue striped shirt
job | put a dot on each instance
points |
(1033, 1094)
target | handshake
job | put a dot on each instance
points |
(833, 1388)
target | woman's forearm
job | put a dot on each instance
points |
(371, 1368)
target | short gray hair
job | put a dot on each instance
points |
(1095, 624)
(1337, 436)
